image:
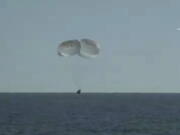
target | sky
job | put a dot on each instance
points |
(139, 45)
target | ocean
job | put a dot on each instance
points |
(89, 114)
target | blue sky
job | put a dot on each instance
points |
(139, 45)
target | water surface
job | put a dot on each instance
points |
(89, 114)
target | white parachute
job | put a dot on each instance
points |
(69, 48)
(85, 48)
(89, 48)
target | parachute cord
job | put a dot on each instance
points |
(73, 75)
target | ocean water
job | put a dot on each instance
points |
(89, 114)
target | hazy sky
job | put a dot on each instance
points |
(139, 40)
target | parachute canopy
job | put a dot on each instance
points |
(86, 48)
(69, 48)
(89, 48)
